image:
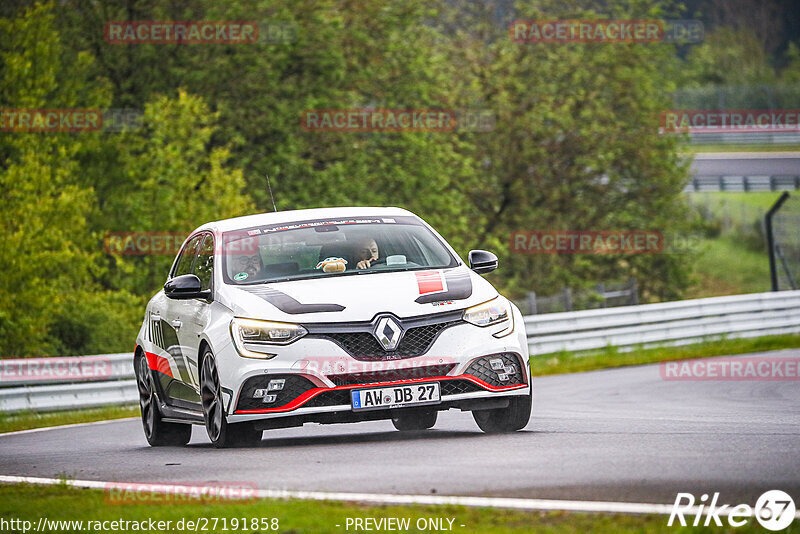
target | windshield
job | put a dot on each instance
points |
(331, 247)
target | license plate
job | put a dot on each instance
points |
(396, 396)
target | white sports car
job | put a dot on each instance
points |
(331, 315)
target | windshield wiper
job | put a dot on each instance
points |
(336, 275)
(420, 268)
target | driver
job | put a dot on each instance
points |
(249, 264)
(366, 253)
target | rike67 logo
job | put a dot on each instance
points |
(774, 510)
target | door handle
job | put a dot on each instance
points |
(177, 324)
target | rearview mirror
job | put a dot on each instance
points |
(184, 287)
(482, 261)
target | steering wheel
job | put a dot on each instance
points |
(372, 263)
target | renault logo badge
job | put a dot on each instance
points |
(388, 333)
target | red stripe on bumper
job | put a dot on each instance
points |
(311, 393)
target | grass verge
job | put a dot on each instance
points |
(30, 502)
(610, 357)
(28, 420)
(718, 274)
(735, 261)
(728, 202)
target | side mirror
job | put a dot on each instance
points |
(482, 261)
(184, 287)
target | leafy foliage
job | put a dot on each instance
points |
(575, 144)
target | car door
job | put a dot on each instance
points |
(194, 313)
(182, 387)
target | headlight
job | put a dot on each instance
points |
(495, 312)
(255, 339)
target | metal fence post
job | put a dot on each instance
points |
(773, 269)
(601, 290)
(532, 302)
(567, 295)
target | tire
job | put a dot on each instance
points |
(157, 432)
(221, 433)
(410, 420)
(510, 419)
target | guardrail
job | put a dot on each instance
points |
(44, 384)
(27, 371)
(776, 182)
(666, 323)
(69, 396)
(65, 383)
(744, 138)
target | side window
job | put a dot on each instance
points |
(204, 266)
(184, 265)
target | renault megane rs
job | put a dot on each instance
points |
(328, 315)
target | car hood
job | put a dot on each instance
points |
(360, 297)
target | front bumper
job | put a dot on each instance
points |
(302, 396)
(322, 384)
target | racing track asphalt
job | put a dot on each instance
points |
(613, 435)
(746, 164)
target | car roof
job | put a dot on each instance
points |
(279, 217)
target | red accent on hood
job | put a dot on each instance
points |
(429, 282)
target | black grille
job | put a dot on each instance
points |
(339, 397)
(482, 368)
(334, 397)
(363, 345)
(292, 388)
(454, 387)
(413, 373)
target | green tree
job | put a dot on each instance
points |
(62, 192)
(169, 179)
(728, 56)
(576, 147)
(48, 251)
(345, 54)
(790, 75)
